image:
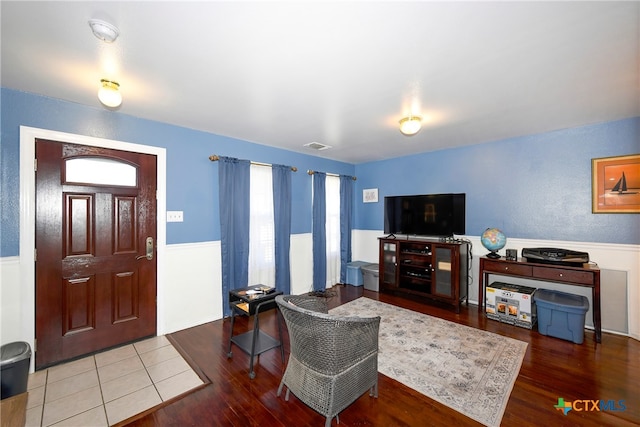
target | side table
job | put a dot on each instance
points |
(251, 301)
(583, 275)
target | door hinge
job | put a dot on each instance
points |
(35, 165)
(35, 344)
(35, 254)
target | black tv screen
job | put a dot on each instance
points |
(425, 215)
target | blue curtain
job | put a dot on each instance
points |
(346, 206)
(282, 225)
(319, 234)
(234, 179)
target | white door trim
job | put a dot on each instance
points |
(28, 137)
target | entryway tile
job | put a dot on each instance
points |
(71, 405)
(37, 379)
(71, 385)
(34, 416)
(168, 368)
(159, 355)
(95, 417)
(132, 404)
(35, 397)
(115, 370)
(115, 355)
(127, 384)
(109, 387)
(70, 369)
(151, 344)
(178, 384)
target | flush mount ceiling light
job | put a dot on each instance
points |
(103, 30)
(410, 125)
(109, 93)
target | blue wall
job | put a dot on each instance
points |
(192, 179)
(535, 187)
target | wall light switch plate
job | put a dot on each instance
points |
(174, 216)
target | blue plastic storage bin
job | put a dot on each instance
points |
(354, 273)
(561, 314)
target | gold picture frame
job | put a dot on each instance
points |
(616, 184)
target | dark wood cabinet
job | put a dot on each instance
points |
(425, 268)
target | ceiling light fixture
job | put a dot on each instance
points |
(103, 30)
(410, 125)
(109, 93)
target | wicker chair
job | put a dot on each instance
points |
(333, 360)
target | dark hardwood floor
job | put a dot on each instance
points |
(552, 368)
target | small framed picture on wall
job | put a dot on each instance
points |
(370, 195)
(616, 184)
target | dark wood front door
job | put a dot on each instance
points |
(95, 226)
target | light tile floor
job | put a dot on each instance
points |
(109, 387)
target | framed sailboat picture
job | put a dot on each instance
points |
(616, 184)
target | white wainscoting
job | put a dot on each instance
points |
(615, 261)
(10, 300)
(193, 286)
(192, 290)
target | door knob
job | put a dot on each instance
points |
(149, 249)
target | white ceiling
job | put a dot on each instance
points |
(284, 74)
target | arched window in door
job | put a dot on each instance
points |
(99, 171)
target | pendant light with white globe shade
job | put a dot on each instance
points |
(109, 92)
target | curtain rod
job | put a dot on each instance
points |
(215, 158)
(310, 172)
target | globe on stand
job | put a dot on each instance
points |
(493, 239)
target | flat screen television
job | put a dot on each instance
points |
(425, 215)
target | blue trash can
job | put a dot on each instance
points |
(15, 359)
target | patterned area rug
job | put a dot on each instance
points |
(467, 369)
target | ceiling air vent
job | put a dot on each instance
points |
(317, 146)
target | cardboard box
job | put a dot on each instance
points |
(511, 304)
